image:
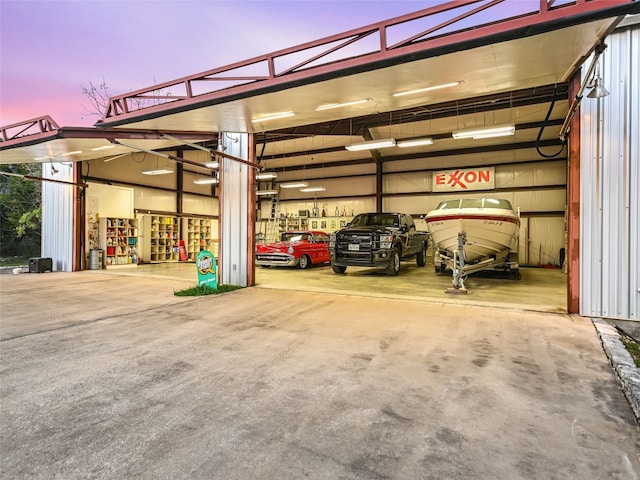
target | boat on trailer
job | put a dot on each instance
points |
(473, 234)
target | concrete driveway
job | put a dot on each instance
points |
(104, 376)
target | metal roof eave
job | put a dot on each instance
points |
(500, 32)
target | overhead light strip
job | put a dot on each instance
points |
(205, 181)
(313, 189)
(489, 132)
(159, 171)
(266, 192)
(416, 142)
(371, 144)
(266, 175)
(329, 106)
(427, 89)
(294, 185)
(273, 117)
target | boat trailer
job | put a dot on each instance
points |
(456, 263)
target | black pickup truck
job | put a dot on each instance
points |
(378, 240)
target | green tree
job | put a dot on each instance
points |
(20, 211)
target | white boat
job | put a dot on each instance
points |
(473, 234)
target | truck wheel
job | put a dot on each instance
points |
(421, 257)
(338, 269)
(305, 262)
(394, 264)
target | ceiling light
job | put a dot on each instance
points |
(205, 181)
(294, 185)
(338, 105)
(273, 116)
(266, 175)
(427, 89)
(75, 152)
(159, 171)
(212, 164)
(266, 192)
(490, 132)
(39, 159)
(104, 147)
(371, 144)
(416, 142)
(313, 189)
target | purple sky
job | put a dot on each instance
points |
(51, 49)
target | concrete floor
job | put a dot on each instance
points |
(104, 376)
(538, 289)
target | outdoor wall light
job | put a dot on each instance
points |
(598, 89)
(371, 144)
(476, 133)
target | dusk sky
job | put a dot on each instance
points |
(49, 50)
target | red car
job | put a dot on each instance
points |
(301, 247)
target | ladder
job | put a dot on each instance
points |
(273, 229)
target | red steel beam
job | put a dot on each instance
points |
(158, 98)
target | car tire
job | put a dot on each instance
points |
(394, 263)
(338, 268)
(305, 262)
(421, 257)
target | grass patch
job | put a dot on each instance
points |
(632, 347)
(14, 262)
(200, 290)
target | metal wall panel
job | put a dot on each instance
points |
(234, 194)
(57, 216)
(610, 206)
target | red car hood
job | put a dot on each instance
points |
(274, 247)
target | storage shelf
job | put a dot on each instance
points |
(119, 241)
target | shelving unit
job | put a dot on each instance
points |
(293, 223)
(197, 236)
(119, 241)
(160, 238)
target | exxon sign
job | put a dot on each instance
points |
(464, 180)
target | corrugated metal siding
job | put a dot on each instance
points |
(57, 217)
(234, 213)
(610, 206)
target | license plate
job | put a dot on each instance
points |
(354, 247)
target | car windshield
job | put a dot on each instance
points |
(294, 237)
(377, 219)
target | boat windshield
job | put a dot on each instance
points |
(475, 203)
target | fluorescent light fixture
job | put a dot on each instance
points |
(104, 147)
(502, 131)
(75, 152)
(338, 105)
(371, 144)
(205, 181)
(273, 116)
(313, 189)
(266, 192)
(212, 164)
(294, 185)
(266, 175)
(427, 89)
(416, 142)
(46, 157)
(159, 171)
